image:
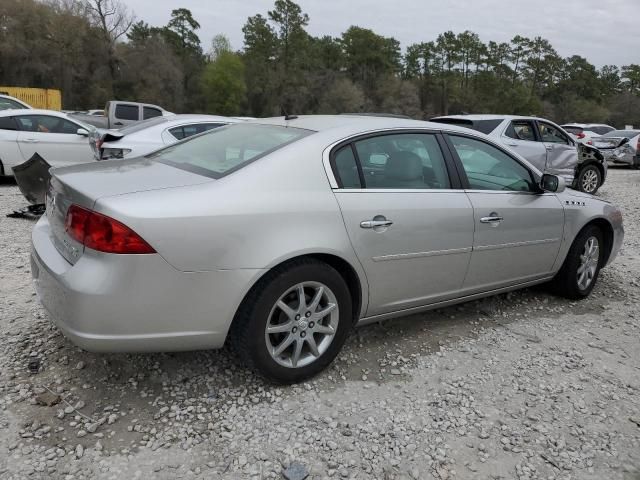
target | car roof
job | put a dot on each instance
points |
(186, 117)
(350, 124)
(32, 111)
(491, 117)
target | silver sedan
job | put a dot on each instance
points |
(280, 235)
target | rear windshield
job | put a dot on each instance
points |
(135, 127)
(623, 133)
(227, 149)
(482, 126)
(573, 129)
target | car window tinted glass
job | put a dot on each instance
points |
(601, 130)
(521, 130)
(185, 131)
(46, 124)
(574, 130)
(346, 168)
(8, 104)
(7, 123)
(408, 160)
(483, 126)
(551, 134)
(489, 168)
(150, 112)
(623, 133)
(226, 149)
(127, 112)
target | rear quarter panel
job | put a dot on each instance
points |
(278, 207)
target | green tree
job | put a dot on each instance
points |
(631, 77)
(223, 84)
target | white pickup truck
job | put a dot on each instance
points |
(119, 113)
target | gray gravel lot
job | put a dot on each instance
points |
(520, 386)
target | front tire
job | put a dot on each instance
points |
(580, 269)
(294, 322)
(589, 179)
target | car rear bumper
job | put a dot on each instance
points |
(134, 303)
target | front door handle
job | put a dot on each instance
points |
(493, 219)
(378, 222)
(30, 140)
(549, 147)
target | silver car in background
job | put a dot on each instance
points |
(544, 144)
(279, 235)
(620, 147)
(144, 137)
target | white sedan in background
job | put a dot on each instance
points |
(149, 135)
(59, 139)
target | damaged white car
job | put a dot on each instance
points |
(544, 144)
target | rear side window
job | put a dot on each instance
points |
(185, 131)
(521, 130)
(346, 168)
(150, 112)
(402, 161)
(8, 123)
(227, 149)
(127, 112)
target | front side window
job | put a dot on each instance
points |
(127, 112)
(229, 148)
(489, 168)
(46, 124)
(551, 134)
(521, 130)
(404, 160)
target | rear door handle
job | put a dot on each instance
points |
(512, 144)
(549, 147)
(376, 223)
(30, 140)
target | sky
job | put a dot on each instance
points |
(603, 31)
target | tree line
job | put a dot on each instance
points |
(95, 50)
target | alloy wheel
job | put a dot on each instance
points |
(588, 263)
(590, 181)
(302, 324)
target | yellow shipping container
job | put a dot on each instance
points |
(46, 98)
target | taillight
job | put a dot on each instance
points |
(102, 233)
(99, 143)
(580, 135)
(589, 142)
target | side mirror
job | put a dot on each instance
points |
(552, 183)
(82, 131)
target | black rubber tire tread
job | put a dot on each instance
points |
(565, 283)
(247, 330)
(581, 174)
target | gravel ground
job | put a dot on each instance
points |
(519, 386)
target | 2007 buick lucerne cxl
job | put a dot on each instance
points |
(279, 235)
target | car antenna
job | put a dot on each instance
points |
(287, 116)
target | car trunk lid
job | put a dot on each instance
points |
(83, 185)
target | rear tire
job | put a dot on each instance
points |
(288, 340)
(580, 269)
(589, 179)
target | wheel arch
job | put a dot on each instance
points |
(356, 284)
(607, 232)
